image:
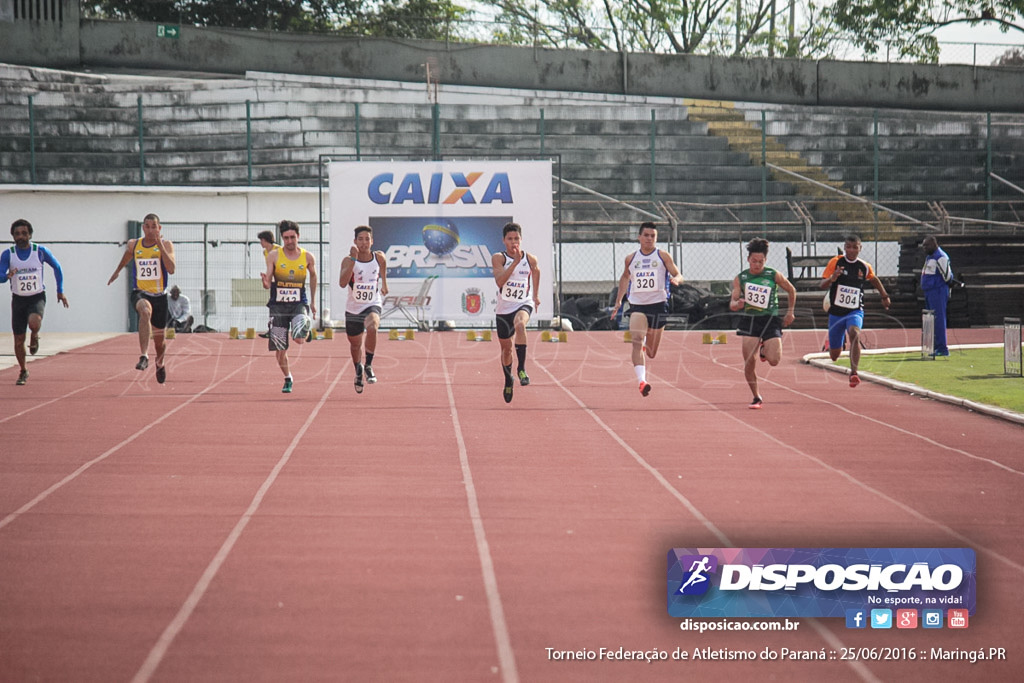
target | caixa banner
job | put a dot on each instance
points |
(817, 582)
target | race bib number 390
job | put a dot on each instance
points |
(757, 296)
(847, 297)
(364, 291)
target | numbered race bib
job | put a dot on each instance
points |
(289, 295)
(513, 293)
(642, 283)
(757, 296)
(28, 283)
(364, 291)
(148, 269)
(847, 297)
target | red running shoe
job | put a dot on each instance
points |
(645, 388)
(854, 380)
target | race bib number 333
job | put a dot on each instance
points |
(757, 296)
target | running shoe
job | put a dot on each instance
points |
(22, 378)
(760, 353)
(506, 392)
(161, 374)
(359, 378)
(287, 388)
(645, 388)
(756, 404)
(143, 363)
(370, 377)
(33, 344)
(524, 379)
(854, 380)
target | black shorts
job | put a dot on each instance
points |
(505, 323)
(764, 327)
(24, 306)
(158, 302)
(355, 323)
(657, 314)
(282, 318)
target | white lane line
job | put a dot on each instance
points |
(106, 454)
(156, 655)
(502, 640)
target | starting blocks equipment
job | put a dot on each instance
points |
(401, 335)
(546, 336)
(169, 333)
(722, 338)
(250, 333)
(233, 333)
(478, 335)
(627, 337)
(329, 333)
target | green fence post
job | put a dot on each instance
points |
(874, 163)
(764, 175)
(358, 153)
(654, 127)
(437, 132)
(988, 166)
(31, 140)
(248, 139)
(542, 130)
(142, 152)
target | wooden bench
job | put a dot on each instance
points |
(805, 264)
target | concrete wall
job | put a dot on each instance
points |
(86, 228)
(136, 45)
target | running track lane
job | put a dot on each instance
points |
(578, 530)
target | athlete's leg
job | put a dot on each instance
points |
(145, 311)
(638, 332)
(773, 350)
(653, 341)
(750, 360)
(19, 350)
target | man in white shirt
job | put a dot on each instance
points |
(179, 310)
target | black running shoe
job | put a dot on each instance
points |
(524, 379)
(370, 377)
(143, 363)
(359, 378)
(33, 344)
(161, 375)
(756, 404)
(22, 378)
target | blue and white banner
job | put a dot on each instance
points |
(438, 224)
(817, 582)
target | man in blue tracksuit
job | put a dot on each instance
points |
(936, 278)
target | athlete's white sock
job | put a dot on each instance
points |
(641, 372)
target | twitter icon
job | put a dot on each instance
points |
(881, 618)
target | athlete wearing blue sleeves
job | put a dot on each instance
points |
(22, 264)
(936, 279)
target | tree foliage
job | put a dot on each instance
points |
(907, 26)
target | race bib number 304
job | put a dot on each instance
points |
(847, 297)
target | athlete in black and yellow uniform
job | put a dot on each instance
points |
(844, 278)
(756, 292)
(152, 259)
(287, 271)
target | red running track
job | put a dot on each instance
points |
(215, 529)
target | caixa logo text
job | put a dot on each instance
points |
(440, 188)
(830, 577)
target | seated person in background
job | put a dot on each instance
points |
(179, 311)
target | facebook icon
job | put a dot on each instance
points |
(856, 618)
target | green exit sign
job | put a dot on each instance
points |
(167, 31)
